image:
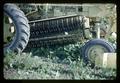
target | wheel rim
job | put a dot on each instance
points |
(9, 30)
(96, 50)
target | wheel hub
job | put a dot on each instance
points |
(96, 50)
(9, 30)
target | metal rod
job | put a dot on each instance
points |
(98, 30)
(54, 18)
(66, 4)
(53, 37)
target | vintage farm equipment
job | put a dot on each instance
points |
(19, 33)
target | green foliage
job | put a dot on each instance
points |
(53, 63)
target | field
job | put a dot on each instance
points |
(60, 62)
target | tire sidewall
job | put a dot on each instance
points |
(93, 42)
(17, 27)
(22, 28)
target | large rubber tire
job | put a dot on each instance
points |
(101, 42)
(22, 33)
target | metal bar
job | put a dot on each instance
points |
(53, 37)
(66, 4)
(69, 16)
